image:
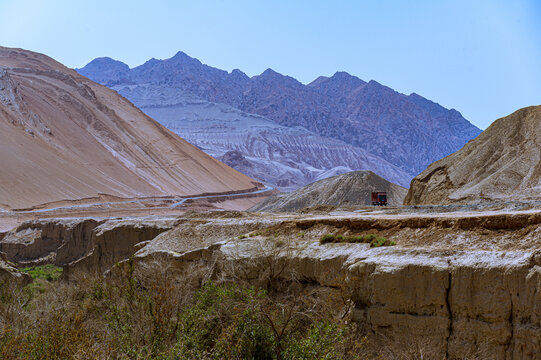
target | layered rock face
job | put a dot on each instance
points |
(339, 113)
(49, 241)
(89, 245)
(64, 138)
(501, 164)
(350, 189)
(452, 301)
(281, 156)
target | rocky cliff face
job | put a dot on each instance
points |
(451, 303)
(49, 241)
(93, 245)
(453, 300)
(456, 285)
(501, 164)
(409, 132)
(9, 274)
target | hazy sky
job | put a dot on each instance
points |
(482, 58)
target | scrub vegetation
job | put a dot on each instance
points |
(156, 316)
(373, 240)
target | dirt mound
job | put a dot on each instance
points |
(350, 189)
(64, 137)
(503, 163)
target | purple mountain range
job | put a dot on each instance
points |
(408, 132)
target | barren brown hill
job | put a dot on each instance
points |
(349, 189)
(64, 137)
(501, 164)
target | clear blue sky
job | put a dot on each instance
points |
(481, 57)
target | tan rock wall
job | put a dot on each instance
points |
(49, 241)
(460, 304)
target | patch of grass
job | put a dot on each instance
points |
(47, 272)
(243, 236)
(255, 233)
(372, 239)
(327, 238)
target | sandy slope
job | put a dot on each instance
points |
(63, 137)
(501, 164)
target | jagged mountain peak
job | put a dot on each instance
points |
(270, 74)
(182, 58)
(239, 74)
(339, 86)
(106, 71)
(343, 75)
(278, 80)
(318, 80)
(107, 61)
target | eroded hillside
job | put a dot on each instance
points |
(64, 138)
(501, 164)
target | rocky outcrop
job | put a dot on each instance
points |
(91, 244)
(57, 241)
(459, 287)
(501, 164)
(113, 241)
(9, 274)
(350, 189)
(458, 304)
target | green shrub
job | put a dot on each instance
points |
(381, 241)
(327, 238)
(372, 239)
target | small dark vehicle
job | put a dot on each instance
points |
(379, 198)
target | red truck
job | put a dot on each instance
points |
(379, 198)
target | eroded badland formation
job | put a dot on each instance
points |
(92, 185)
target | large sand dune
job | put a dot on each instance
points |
(64, 137)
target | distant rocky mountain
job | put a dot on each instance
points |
(285, 157)
(409, 132)
(350, 189)
(501, 164)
